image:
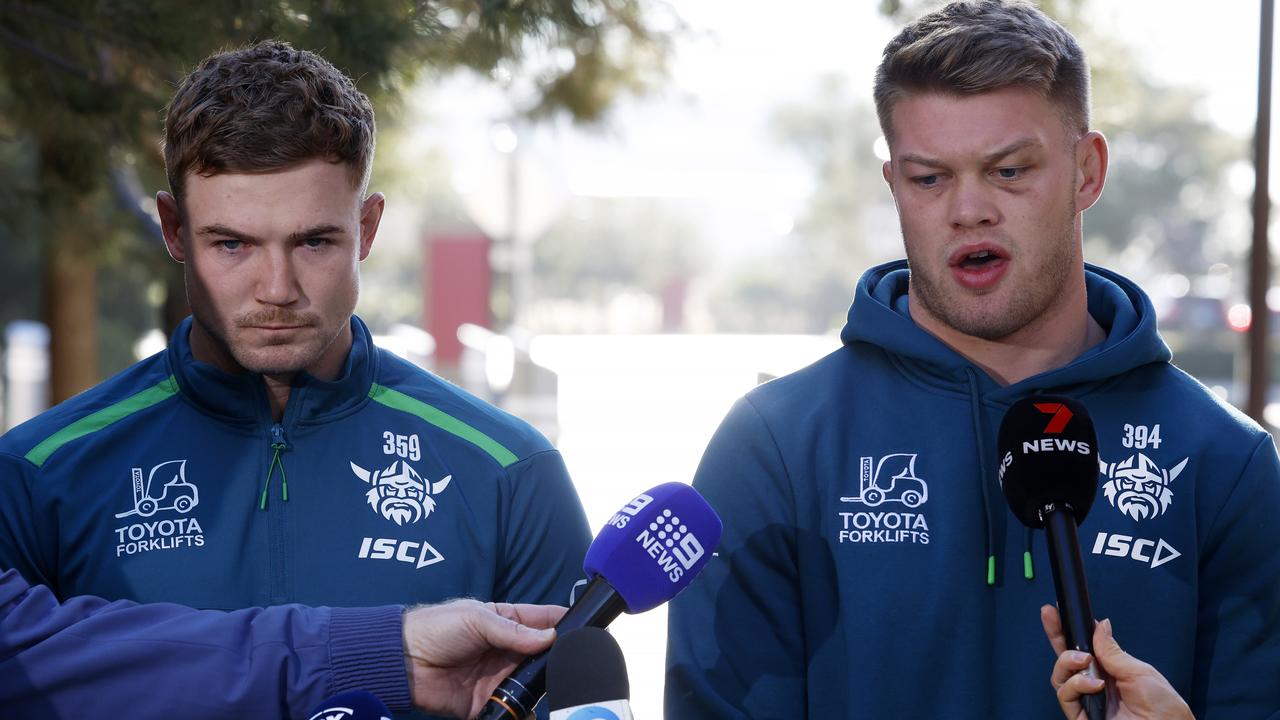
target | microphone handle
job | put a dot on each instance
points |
(1073, 594)
(515, 697)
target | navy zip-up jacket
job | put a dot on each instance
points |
(171, 482)
(870, 567)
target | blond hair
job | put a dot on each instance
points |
(978, 46)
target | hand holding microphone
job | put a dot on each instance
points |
(459, 650)
(648, 552)
(1136, 690)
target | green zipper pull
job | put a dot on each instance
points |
(1028, 568)
(278, 444)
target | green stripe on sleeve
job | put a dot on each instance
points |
(106, 416)
(443, 420)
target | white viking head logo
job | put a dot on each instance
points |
(399, 493)
(1138, 487)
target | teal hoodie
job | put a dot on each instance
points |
(870, 567)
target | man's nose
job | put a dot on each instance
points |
(972, 205)
(278, 282)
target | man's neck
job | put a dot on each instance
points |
(1049, 342)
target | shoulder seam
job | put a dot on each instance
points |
(103, 418)
(433, 415)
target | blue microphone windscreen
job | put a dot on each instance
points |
(655, 545)
(352, 705)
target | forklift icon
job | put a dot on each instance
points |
(894, 480)
(169, 480)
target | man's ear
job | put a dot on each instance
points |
(171, 225)
(370, 216)
(1092, 158)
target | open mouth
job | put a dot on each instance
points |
(978, 259)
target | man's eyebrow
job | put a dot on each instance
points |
(1010, 149)
(314, 231)
(987, 159)
(217, 229)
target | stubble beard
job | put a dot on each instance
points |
(985, 316)
(274, 360)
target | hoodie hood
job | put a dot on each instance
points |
(880, 316)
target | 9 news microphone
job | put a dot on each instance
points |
(352, 705)
(648, 552)
(587, 677)
(1049, 474)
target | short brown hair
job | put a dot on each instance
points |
(978, 46)
(266, 107)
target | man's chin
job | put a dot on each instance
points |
(276, 359)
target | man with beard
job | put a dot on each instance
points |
(845, 589)
(233, 470)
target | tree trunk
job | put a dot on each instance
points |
(71, 312)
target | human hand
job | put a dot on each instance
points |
(1135, 690)
(460, 650)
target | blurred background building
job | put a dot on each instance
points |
(611, 217)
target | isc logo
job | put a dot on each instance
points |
(1148, 552)
(418, 554)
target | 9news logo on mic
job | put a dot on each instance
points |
(667, 540)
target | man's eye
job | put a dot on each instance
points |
(231, 245)
(1009, 173)
(315, 243)
(925, 180)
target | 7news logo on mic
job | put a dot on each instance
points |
(665, 539)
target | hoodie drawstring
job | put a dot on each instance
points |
(975, 405)
(1028, 567)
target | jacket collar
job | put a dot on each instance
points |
(241, 397)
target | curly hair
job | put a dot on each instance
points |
(978, 46)
(265, 107)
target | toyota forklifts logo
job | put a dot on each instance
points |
(891, 481)
(164, 488)
(894, 481)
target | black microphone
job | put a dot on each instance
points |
(352, 705)
(587, 677)
(649, 550)
(1049, 474)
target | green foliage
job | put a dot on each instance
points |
(83, 85)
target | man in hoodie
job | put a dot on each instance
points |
(870, 567)
(273, 454)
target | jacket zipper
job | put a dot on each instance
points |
(278, 445)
